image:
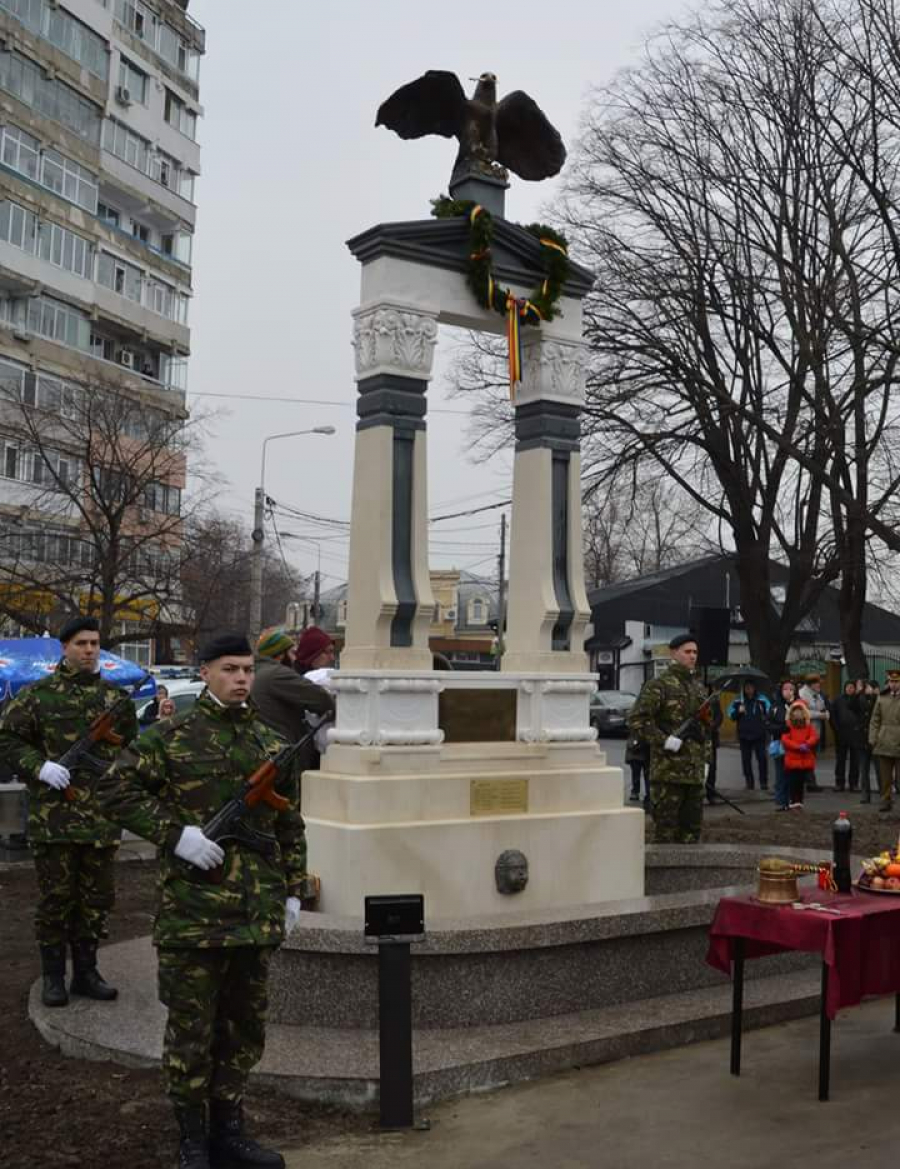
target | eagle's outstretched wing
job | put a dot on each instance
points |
(529, 145)
(434, 104)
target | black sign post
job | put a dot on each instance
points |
(394, 921)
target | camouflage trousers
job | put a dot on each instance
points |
(76, 891)
(677, 812)
(216, 1028)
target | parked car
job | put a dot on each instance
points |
(609, 711)
(183, 693)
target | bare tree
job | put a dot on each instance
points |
(640, 527)
(742, 326)
(216, 577)
(99, 507)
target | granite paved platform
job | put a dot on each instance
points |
(341, 1065)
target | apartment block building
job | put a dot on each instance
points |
(99, 158)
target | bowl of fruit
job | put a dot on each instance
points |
(881, 874)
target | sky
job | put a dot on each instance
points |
(292, 167)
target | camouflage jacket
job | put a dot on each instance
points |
(42, 722)
(182, 771)
(663, 704)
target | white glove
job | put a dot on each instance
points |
(672, 744)
(197, 849)
(291, 913)
(54, 775)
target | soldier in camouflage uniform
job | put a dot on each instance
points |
(677, 765)
(222, 910)
(74, 847)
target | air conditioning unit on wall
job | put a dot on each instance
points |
(128, 359)
(123, 95)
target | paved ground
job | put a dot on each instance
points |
(674, 1110)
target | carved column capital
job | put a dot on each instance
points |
(390, 339)
(552, 369)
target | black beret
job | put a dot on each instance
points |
(683, 639)
(225, 645)
(78, 625)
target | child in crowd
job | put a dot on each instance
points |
(799, 744)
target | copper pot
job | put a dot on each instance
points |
(778, 880)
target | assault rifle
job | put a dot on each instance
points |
(100, 731)
(231, 822)
(694, 727)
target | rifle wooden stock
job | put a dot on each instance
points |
(100, 731)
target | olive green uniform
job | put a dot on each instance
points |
(884, 742)
(215, 937)
(74, 846)
(676, 778)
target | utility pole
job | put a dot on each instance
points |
(256, 562)
(501, 592)
(317, 582)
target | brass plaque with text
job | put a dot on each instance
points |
(498, 797)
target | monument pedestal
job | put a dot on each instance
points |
(396, 809)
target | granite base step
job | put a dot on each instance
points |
(340, 1065)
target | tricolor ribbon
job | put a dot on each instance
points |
(514, 343)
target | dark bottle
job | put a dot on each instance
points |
(842, 835)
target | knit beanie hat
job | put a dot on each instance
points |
(274, 642)
(311, 643)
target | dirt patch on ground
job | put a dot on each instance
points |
(60, 1112)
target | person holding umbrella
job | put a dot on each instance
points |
(74, 847)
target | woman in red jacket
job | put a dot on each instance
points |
(799, 750)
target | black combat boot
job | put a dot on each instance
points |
(229, 1145)
(53, 970)
(193, 1151)
(86, 978)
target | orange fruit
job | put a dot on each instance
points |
(892, 870)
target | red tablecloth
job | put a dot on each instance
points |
(861, 947)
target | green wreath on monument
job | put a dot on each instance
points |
(542, 304)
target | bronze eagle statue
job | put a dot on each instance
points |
(514, 133)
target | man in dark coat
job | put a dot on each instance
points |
(74, 847)
(750, 712)
(846, 718)
(281, 695)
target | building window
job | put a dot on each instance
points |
(108, 214)
(67, 178)
(52, 243)
(54, 320)
(477, 612)
(21, 152)
(181, 116)
(50, 97)
(179, 246)
(66, 250)
(61, 29)
(342, 613)
(158, 35)
(121, 277)
(133, 82)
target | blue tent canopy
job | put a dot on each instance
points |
(27, 659)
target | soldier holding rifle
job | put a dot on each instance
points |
(223, 907)
(74, 847)
(667, 715)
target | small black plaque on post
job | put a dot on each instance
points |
(398, 917)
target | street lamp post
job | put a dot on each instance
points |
(258, 535)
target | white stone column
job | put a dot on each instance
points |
(548, 609)
(389, 600)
